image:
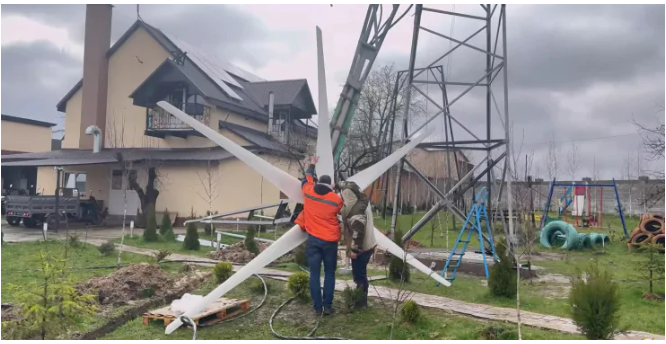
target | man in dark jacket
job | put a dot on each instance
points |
(321, 207)
(359, 239)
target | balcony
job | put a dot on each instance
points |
(160, 123)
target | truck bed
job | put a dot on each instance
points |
(20, 205)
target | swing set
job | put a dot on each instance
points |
(578, 200)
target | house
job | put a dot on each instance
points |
(118, 95)
(23, 135)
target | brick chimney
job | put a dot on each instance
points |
(95, 71)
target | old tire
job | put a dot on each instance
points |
(640, 238)
(13, 220)
(51, 221)
(583, 241)
(652, 226)
(552, 233)
(659, 240)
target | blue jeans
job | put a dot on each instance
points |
(360, 269)
(318, 251)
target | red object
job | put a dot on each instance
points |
(579, 190)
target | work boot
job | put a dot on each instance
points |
(329, 311)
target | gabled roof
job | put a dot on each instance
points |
(226, 85)
(285, 92)
(27, 121)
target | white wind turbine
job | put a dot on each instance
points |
(291, 186)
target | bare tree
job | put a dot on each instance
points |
(379, 113)
(209, 179)
(653, 143)
(573, 161)
(552, 166)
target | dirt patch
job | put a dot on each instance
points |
(647, 296)
(134, 282)
(9, 313)
(536, 256)
(237, 253)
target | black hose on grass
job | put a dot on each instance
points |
(310, 334)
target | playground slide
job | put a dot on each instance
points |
(567, 195)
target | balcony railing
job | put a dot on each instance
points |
(160, 119)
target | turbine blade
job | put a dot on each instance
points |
(324, 146)
(287, 242)
(281, 179)
(388, 244)
(366, 177)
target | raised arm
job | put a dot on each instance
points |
(310, 172)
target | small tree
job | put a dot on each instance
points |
(223, 271)
(653, 268)
(398, 269)
(250, 243)
(191, 238)
(150, 233)
(595, 304)
(410, 312)
(502, 279)
(50, 306)
(166, 222)
(299, 285)
(166, 230)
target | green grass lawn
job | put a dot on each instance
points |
(296, 320)
(547, 298)
(19, 257)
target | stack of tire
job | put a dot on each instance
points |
(560, 233)
(649, 229)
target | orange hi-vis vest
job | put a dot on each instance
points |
(321, 212)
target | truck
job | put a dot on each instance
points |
(33, 211)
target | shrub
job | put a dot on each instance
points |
(106, 248)
(351, 296)
(498, 332)
(299, 285)
(166, 222)
(74, 240)
(595, 304)
(257, 287)
(398, 269)
(502, 279)
(410, 312)
(191, 237)
(250, 243)
(299, 256)
(150, 233)
(161, 255)
(223, 271)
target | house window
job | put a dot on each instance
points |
(177, 97)
(117, 179)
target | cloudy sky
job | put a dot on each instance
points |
(582, 74)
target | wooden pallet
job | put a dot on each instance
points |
(219, 310)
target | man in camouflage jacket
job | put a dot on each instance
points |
(360, 241)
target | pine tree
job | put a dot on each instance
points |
(191, 237)
(166, 230)
(502, 279)
(250, 243)
(398, 269)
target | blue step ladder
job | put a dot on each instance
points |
(477, 214)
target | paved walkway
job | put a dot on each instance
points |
(431, 301)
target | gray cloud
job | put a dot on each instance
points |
(576, 72)
(34, 78)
